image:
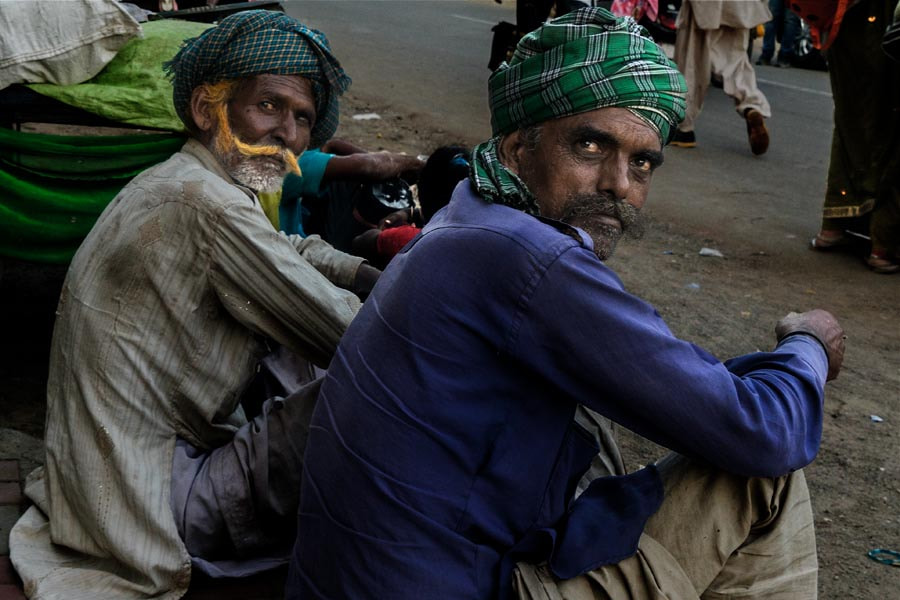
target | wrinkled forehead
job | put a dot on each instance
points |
(621, 125)
(294, 86)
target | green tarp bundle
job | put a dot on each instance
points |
(53, 188)
(133, 88)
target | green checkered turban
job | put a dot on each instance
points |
(582, 61)
(256, 42)
(585, 60)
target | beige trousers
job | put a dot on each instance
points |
(701, 52)
(717, 535)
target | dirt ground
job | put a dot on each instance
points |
(728, 306)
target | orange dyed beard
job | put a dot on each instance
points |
(241, 160)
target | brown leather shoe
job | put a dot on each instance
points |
(756, 131)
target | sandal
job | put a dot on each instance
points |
(880, 263)
(828, 238)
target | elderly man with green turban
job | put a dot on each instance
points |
(462, 443)
(176, 418)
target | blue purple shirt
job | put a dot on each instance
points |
(443, 447)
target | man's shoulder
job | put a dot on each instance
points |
(182, 177)
(180, 167)
(491, 223)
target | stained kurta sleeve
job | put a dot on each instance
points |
(267, 285)
(758, 415)
(339, 267)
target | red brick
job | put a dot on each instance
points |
(11, 493)
(9, 470)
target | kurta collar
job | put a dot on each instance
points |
(194, 148)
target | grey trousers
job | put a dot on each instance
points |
(717, 535)
(236, 506)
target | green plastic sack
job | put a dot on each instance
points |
(53, 188)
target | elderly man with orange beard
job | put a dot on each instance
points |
(156, 466)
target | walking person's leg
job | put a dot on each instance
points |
(771, 34)
(693, 60)
(787, 51)
(739, 81)
(884, 231)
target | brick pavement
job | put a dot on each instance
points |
(11, 504)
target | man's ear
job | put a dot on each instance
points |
(510, 151)
(200, 110)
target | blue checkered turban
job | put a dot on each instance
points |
(256, 42)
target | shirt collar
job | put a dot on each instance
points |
(469, 194)
(194, 148)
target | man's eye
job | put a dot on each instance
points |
(643, 165)
(589, 146)
(267, 105)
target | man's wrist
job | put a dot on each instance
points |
(809, 334)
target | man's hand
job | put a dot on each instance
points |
(397, 219)
(366, 277)
(366, 244)
(821, 325)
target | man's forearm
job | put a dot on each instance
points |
(338, 267)
(370, 167)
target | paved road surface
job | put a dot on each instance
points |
(429, 57)
(424, 55)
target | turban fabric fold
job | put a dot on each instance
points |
(257, 42)
(582, 61)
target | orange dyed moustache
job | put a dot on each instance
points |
(226, 140)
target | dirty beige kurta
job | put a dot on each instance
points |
(162, 318)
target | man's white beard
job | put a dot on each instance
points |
(259, 174)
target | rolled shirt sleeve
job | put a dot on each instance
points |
(339, 267)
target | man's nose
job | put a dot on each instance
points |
(615, 179)
(289, 135)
